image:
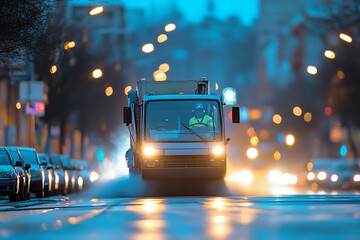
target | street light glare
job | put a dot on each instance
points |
(254, 140)
(127, 89)
(312, 70)
(307, 117)
(109, 91)
(345, 37)
(53, 69)
(277, 155)
(297, 111)
(18, 105)
(170, 27)
(97, 73)
(289, 140)
(252, 153)
(329, 54)
(159, 75)
(162, 38)
(148, 48)
(164, 67)
(277, 119)
(96, 10)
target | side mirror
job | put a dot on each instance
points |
(27, 166)
(235, 114)
(127, 115)
(18, 164)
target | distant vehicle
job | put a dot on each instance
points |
(344, 174)
(85, 171)
(9, 177)
(49, 174)
(16, 156)
(72, 173)
(177, 130)
(337, 173)
(79, 169)
(30, 157)
(61, 172)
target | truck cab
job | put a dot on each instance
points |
(176, 130)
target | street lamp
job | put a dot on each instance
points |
(162, 38)
(289, 139)
(96, 10)
(97, 73)
(148, 48)
(170, 27)
(329, 54)
(312, 70)
(53, 69)
(345, 37)
(109, 91)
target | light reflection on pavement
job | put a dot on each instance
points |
(300, 216)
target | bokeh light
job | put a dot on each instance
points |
(127, 89)
(53, 69)
(277, 119)
(312, 70)
(277, 156)
(307, 117)
(345, 37)
(159, 75)
(252, 153)
(289, 140)
(170, 27)
(109, 91)
(96, 10)
(164, 67)
(97, 73)
(162, 38)
(329, 54)
(297, 111)
(148, 48)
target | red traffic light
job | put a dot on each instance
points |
(40, 107)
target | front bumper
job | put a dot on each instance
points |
(184, 173)
(8, 186)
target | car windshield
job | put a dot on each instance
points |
(55, 160)
(29, 157)
(14, 154)
(4, 158)
(182, 121)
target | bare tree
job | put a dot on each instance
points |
(22, 26)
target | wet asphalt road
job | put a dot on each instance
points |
(304, 216)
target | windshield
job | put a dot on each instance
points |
(29, 157)
(4, 158)
(182, 121)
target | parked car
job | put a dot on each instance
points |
(84, 172)
(37, 185)
(72, 173)
(9, 177)
(24, 169)
(49, 174)
(61, 172)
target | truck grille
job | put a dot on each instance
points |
(184, 162)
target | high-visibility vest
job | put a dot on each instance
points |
(207, 120)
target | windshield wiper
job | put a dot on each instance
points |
(195, 133)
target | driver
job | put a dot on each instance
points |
(200, 119)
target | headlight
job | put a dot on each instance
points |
(357, 178)
(310, 176)
(334, 178)
(149, 151)
(218, 150)
(94, 176)
(151, 163)
(322, 175)
(6, 175)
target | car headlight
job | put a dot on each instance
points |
(310, 176)
(322, 175)
(218, 150)
(6, 175)
(357, 178)
(149, 151)
(94, 176)
(334, 178)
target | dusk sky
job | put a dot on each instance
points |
(194, 10)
